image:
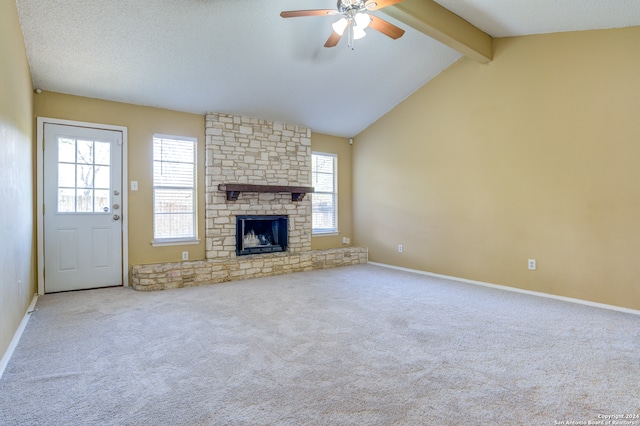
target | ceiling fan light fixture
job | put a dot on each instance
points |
(358, 33)
(339, 26)
(362, 20)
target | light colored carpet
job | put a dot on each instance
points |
(354, 345)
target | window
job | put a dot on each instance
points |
(325, 198)
(84, 176)
(174, 189)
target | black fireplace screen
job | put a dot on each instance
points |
(261, 234)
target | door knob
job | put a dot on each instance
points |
(116, 217)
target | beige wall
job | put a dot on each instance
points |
(534, 155)
(340, 146)
(142, 123)
(17, 249)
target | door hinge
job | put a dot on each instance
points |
(43, 210)
(120, 141)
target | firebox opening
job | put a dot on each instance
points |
(261, 234)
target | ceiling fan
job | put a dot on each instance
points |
(355, 18)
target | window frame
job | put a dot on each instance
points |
(334, 231)
(193, 239)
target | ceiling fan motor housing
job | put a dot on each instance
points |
(345, 5)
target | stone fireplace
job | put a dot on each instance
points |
(244, 150)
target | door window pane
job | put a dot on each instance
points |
(102, 177)
(82, 166)
(66, 150)
(84, 200)
(103, 153)
(101, 200)
(66, 175)
(85, 176)
(66, 200)
(85, 152)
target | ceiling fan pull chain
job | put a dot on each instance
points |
(350, 37)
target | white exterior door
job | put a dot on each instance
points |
(82, 194)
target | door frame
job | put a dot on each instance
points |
(41, 121)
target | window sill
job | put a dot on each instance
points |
(175, 243)
(325, 234)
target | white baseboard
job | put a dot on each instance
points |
(514, 289)
(16, 337)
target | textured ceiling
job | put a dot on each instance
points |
(506, 18)
(241, 57)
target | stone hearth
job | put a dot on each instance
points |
(185, 274)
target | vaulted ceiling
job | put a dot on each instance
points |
(241, 57)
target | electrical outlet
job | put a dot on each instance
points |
(346, 240)
(185, 255)
(532, 264)
(20, 287)
(399, 248)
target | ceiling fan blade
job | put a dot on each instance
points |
(379, 4)
(386, 28)
(314, 12)
(333, 39)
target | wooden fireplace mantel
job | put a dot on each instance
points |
(233, 190)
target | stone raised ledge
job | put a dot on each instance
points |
(164, 276)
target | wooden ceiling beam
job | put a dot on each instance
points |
(445, 26)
